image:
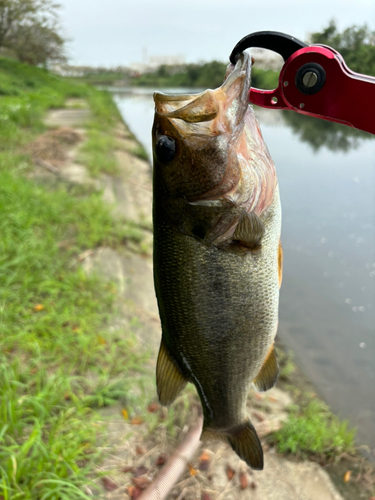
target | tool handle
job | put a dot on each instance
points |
(344, 96)
(314, 81)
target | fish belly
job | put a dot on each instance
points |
(219, 313)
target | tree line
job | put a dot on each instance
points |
(356, 44)
(30, 31)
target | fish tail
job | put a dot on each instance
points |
(245, 442)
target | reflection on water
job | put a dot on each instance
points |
(327, 185)
(319, 133)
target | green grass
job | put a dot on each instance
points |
(58, 359)
(97, 153)
(312, 430)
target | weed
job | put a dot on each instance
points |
(97, 153)
(287, 366)
(313, 430)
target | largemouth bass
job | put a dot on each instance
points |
(217, 254)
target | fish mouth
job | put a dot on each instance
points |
(231, 98)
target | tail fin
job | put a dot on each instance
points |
(245, 442)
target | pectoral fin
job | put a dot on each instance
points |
(249, 231)
(267, 377)
(169, 379)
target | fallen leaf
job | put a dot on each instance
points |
(140, 450)
(125, 414)
(140, 482)
(204, 465)
(139, 471)
(259, 416)
(347, 475)
(243, 480)
(128, 468)
(193, 472)
(134, 492)
(205, 457)
(163, 413)
(108, 484)
(153, 407)
(205, 496)
(162, 458)
(38, 307)
(204, 461)
(272, 399)
(136, 421)
(230, 472)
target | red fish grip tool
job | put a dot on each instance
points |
(314, 81)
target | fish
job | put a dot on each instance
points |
(217, 255)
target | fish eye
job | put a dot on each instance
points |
(165, 149)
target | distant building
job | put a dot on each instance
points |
(73, 71)
(152, 63)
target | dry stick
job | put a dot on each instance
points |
(171, 472)
(47, 165)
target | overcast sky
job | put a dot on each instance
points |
(115, 32)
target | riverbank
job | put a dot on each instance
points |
(82, 329)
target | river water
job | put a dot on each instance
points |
(326, 174)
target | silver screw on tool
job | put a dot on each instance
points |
(309, 79)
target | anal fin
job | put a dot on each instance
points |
(267, 377)
(169, 379)
(249, 231)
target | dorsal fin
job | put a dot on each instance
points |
(249, 231)
(201, 109)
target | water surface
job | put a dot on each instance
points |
(327, 187)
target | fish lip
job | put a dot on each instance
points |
(241, 70)
(161, 96)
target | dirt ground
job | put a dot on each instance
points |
(134, 454)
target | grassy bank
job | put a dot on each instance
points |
(58, 360)
(312, 430)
